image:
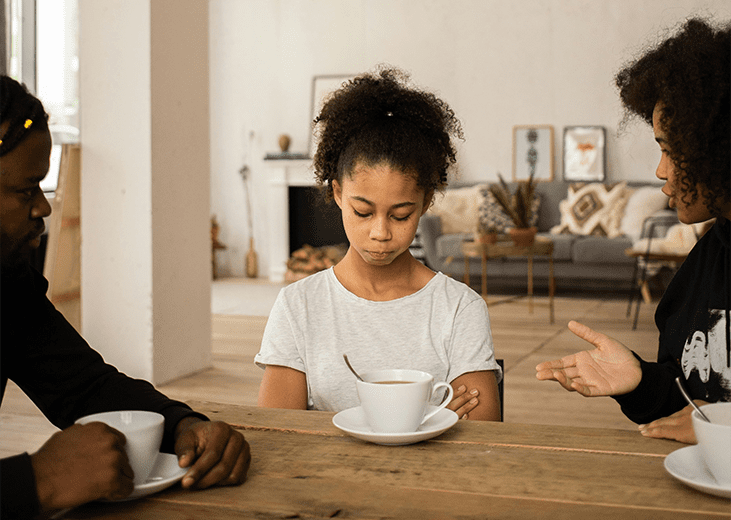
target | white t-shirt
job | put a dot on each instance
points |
(442, 329)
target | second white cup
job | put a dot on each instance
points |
(143, 431)
(714, 439)
(395, 401)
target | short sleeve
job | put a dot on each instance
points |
(279, 344)
(471, 347)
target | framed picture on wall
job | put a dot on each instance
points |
(322, 86)
(584, 157)
(533, 152)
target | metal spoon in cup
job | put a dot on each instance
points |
(345, 357)
(690, 401)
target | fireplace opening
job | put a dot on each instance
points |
(313, 221)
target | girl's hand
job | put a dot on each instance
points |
(609, 369)
(463, 401)
(678, 427)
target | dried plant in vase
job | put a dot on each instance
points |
(486, 233)
(519, 207)
(251, 262)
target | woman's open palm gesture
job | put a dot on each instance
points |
(609, 369)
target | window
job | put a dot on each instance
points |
(43, 54)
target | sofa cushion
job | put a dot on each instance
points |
(458, 209)
(562, 246)
(451, 244)
(593, 209)
(601, 250)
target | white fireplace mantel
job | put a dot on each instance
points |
(283, 173)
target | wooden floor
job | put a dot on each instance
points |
(521, 339)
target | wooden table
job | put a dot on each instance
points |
(542, 246)
(304, 467)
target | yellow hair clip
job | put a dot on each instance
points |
(1, 142)
(28, 123)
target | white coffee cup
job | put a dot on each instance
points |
(143, 431)
(714, 440)
(395, 401)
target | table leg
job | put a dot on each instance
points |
(530, 284)
(551, 286)
(645, 290)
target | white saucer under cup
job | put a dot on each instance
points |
(688, 465)
(353, 422)
(395, 401)
(143, 431)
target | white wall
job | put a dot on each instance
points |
(116, 271)
(498, 63)
(145, 201)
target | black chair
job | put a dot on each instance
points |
(500, 390)
(652, 227)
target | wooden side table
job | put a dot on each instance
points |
(542, 246)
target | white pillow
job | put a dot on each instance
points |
(642, 203)
(458, 209)
(679, 240)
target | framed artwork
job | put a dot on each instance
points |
(322, 86)
(584, 157)
(533, 152)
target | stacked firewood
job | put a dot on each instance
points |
(309, 260)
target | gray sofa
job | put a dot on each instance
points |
(580, 262)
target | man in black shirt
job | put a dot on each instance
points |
(60, 372)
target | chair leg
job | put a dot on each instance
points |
(643, 281)
(633, 288)
(637, 314)
(501, 389)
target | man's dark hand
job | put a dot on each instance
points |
(215, 452)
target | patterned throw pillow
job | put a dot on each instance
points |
(593, 209)
(493, 215)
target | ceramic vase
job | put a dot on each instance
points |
(252, 270)
(284, 141)
(487, 238)
(523, 237)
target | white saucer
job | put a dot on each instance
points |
(686, 464)
(164, 474)
(353, 421)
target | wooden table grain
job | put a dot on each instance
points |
(304, 467)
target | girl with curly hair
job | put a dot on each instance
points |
(681, 88)
(384, 149)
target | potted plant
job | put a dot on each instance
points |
(519, 207)
(486, 233)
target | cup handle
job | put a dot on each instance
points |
(447, 400)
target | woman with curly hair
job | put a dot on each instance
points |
(384, 150)
(681, 88)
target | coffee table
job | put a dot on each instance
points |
(541, 246)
